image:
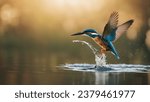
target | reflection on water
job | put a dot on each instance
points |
(40, 67)
(107, 74)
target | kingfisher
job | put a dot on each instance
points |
(110, 34)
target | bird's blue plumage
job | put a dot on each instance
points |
(107, 39)
(113, 50)
(89, 30)
(111, 36)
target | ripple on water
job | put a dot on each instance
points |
(108, 67)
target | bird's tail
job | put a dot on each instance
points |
(115, 54)
(113, 50)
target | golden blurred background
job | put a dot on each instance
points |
(45, 26)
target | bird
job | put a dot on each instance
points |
(111, 33)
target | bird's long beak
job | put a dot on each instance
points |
(79, 33)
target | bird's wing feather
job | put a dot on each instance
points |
(123, 28)
(111, 24)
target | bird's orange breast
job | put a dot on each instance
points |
(100, 43)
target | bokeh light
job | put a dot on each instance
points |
(9, 15)
(48, 23)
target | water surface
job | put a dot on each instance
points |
(44, 67)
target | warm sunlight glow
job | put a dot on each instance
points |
(8, 15)
(73, 5)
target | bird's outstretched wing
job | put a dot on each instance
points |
(111, 24)
(123, 28)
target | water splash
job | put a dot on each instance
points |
(100, 59)
(101, 65)
(108, 68)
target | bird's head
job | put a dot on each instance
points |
(88, 32)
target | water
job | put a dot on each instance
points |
(46, 67)
(108, 68)
(101, 66)
(103, 71)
